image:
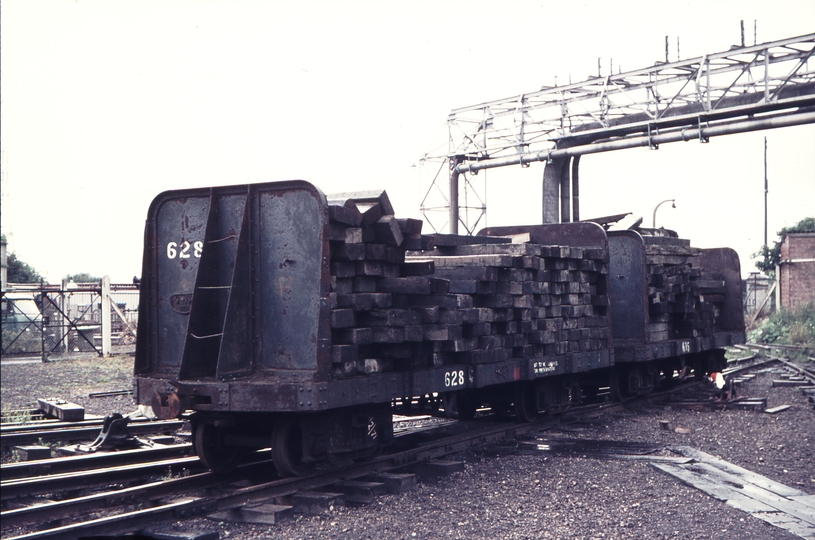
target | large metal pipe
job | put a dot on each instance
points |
(565, 192)
(551, 191)
(575, 189)
(453, 217)
(685, 134)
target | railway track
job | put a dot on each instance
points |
(202, 493)
(804, 370)
(66, 432)
(178, 498)
(43, 467)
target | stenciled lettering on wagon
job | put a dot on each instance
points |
(685, 347)
(454, 378)
(544, 367)
(184, 250)
(181, 303)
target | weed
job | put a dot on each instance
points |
(731, 353)
(16, 417)
(787, 326)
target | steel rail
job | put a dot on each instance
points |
(746, 367)
(125, 522)
(63, 481)
(489, 431)
(54, 423)
(43, 513)
(23, 469)
(134, 521)
(83, 433)
(804, 372)
(766, 346)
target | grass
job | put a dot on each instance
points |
(787, 327)
(731, 353)
(17, 416)
(23, 384)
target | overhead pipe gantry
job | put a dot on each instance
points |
(743, 89)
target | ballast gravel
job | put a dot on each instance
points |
(501, 494)
(505, 493)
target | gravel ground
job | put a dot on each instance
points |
(502, 494)
(26, 381)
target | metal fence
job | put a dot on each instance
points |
(54, 320)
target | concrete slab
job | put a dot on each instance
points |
(159, 534)
(31, 453)
(64, 410)
(265, 514)
(438, 467)
(316, 502)
(395, 482)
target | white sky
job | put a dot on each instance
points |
(107, 103)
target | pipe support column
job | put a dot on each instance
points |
(453, 216)
(551, 190)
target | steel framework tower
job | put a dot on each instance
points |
(743, 89)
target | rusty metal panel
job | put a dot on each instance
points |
(218, 257)
(235, 278)
(725, 261)
(581, 234)
(291, 275)
(587, 361)
(628, 290)
(661, 349)
(176, 222)
(499, 373)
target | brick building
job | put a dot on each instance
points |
(796, 272)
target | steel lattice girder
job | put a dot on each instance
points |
(765, 78)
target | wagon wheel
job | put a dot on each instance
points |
(619, 384)
(502, 408)
(589, 392)
(287, 448)
(466, 406)
(460, 404)
(627, 383)
(209, 442)
(526, 403)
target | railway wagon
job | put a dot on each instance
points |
(673, 307)
(283, 318)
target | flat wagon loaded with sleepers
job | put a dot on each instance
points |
(284, 318)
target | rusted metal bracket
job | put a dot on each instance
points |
(114, 434)
(702, 139)
(652, 145)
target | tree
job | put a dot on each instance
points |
(82, 277)
(769, 258)
(21, 272)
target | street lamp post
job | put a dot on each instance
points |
(654, 220)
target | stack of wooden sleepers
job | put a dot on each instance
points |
(401, 300)
(684, 300)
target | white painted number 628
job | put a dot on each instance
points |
(454, 378)
(182, 251)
